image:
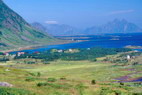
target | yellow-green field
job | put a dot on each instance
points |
(70, 78)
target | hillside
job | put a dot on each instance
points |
(115, 26)
(39, 26)
(16, 32)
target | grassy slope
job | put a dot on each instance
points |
(75, 72)
(15, 32)
(14, 41)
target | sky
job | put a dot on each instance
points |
(78, 13)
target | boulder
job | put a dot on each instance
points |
(5, 84)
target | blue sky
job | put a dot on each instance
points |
(78, 13)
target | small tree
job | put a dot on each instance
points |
(38, 74)
(93, 82)
(51, 80)
(94, 60)
(135, 63)
(121, 83)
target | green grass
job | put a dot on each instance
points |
(14, 91)
(79, 69)
(70, 78)
(15, 32)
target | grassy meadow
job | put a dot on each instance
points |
(70, 78)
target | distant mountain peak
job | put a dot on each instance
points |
(115, 26)
(116, 20)
(38, 26)
(57, 29)
(124, 20)
(119, 21)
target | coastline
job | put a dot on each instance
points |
(133, 47)
(36, 46)
(60, 41)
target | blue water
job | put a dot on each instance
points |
(137, 80)
(105, 41)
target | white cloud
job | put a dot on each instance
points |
(121, 12)
(51, 22)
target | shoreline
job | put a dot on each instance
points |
(133, 47)
(60, 42)
(36, 46)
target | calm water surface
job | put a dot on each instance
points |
(107, 41)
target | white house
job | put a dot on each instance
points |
(60, 51)
(20, 53)
(128, 57)
(70, 50)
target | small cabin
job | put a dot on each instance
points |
(20, 53)
(60, 51)
(128, 57)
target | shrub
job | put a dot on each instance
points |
(61, 86)
(135, 63)
(93, 60)
(4, 59)
(62, 78)
(31, 62)
(38, 74)
(121, 83)
(57, 86)
(46, 62)
(33, 74)
(30, 79)
(51, 80)
(41, 84)
(93, 82)
(138, 84)
(117, 92)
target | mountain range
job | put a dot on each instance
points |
(16, 32)
(115, 26)
(56, 29)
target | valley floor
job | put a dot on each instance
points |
(72, 78)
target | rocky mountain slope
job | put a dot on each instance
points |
(115, 26)
(16, 32)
